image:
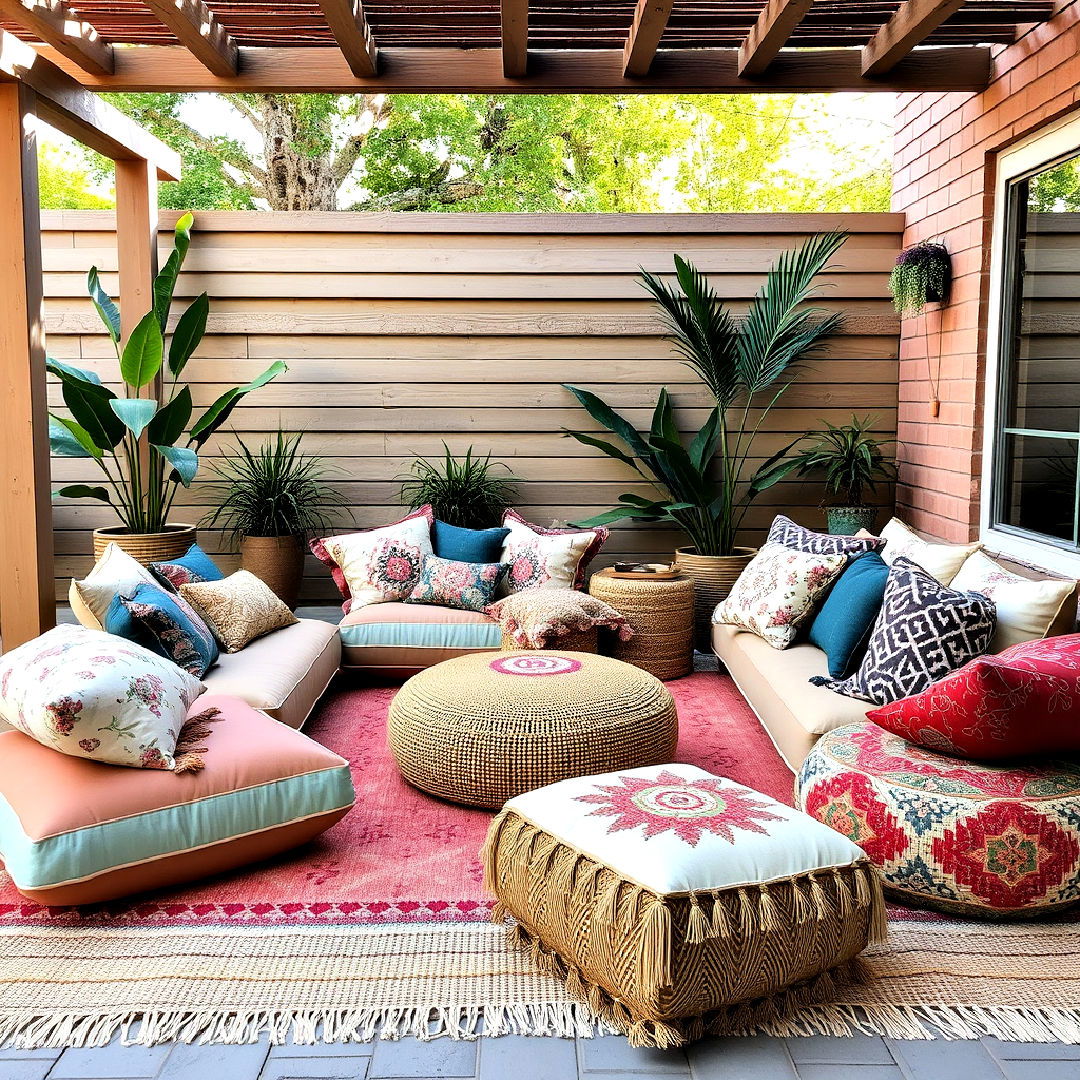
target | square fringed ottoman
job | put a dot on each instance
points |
(676, 903)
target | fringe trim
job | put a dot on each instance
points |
(187, 756)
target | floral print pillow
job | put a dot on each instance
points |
(550, 557)
(465, 585)
(777, 591)
(92, 695)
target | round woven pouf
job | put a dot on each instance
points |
(481, 729)
(575, 641)
(661, 614)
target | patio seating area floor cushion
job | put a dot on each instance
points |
(74, 831)
(674, 901)
(968, 838)
(479, 729)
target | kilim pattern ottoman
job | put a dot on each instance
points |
(963, 837)
(677, 903)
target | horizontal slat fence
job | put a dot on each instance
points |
(402, 331)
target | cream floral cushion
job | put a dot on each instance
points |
(777, 591)
(238, 609)
(549, 557)
(91, 695)
(115, 573)
(939, 560)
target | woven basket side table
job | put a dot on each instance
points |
(575, 641)
(661, 614)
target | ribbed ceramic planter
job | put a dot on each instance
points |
(713, 577)
(170, 543)
(848, 520)
(277, 560)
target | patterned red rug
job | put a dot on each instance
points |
(402, 856)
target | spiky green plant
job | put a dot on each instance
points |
(922, 274)
(851, 458)
(463, 492)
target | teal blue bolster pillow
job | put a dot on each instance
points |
(467, 545)
(841, 629)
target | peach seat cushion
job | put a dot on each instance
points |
(78, 832)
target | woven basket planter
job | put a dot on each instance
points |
(172, 542)
(276, 560)
(713, 575)
(574, 641)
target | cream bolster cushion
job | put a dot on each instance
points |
(939, 560)
(76, 832)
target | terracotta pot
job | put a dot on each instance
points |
(848, 520)
(713, 577)
(170, 543)
(277, 560)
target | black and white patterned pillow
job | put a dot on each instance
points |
(924, 631)
(784, 531)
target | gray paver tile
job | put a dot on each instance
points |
(613, 1055)
(313, 1068)
(825, 1071)
(25, 1068)
(112, 1062)
(11, 1054)
(1028, 1051)
(849, 1050)
(1041, 1070)
(942, 1060)
(762, 1058)
(413, 1058)
(322, 1050)
(195, 1062)
(522, 1057)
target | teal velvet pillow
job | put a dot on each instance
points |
(467, 545)
(841, 628)
(191, 567)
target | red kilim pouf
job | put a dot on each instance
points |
(967, 838)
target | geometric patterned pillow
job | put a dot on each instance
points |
(925, 631)
(784, 531)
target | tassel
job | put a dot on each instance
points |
(862, 884)
(768, 913)
(721, 921)
(654, 949)
(595, 998)
(186, 755)
(747, 917)
(697, 926)
(800, 903)
(843, 894)
(487, 852)
(574, 986)
(499, 912)
(817, 894)
(879, 925)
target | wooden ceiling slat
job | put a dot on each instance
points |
(770, 34)
(650, 20)
(350, 28)
(54, 23)
(514, 35)
(913, 23)
(197, 29)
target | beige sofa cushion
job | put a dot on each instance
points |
(775, 683)
(283, 673)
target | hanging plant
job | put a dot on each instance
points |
(922, 275)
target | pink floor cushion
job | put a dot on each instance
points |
(970, 838)
(78, 832)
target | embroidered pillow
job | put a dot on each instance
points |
(114, 573)
(784, 531)
(469, 586)
(941, 560)
(1026, 609)
(924, 631)
(1019, 703)
(378, 564)
(238, 609)
(175, 629)
(91, 695)
(467, 545)
(537, 556)
(777, 591)
(194, 565)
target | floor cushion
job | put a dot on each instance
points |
(79, 832)
(647, 889)
(969, 838)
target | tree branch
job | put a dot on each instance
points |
(447, 193)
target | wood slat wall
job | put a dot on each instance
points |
(401, 332)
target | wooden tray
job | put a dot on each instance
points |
(656, 572)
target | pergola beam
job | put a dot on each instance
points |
(515, 37)
(912, 23)
(194, 25)
(350, 28)
(463, 71)
(770, 34)
(52, 22)
(650, 21)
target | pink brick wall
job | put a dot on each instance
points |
(945, 153)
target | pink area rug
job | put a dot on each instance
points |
(401, 856)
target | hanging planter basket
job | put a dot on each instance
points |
(921, 275)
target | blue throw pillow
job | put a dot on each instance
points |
(841, 628)
(190, 568)
(172, 622)
(119, 621)
(467, 545)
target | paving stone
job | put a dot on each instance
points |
(850, 1050)
(1031, 1051)
(413, 1058)
(112, 1062)
(195, 1062)
(1044, 1069)
(312, 1068)
(941, 1060)
(10, 1053)
(522, 1057)
(25, 1068)
(612, 1055)
(323, 1050)
(825, 1071)
(760, 1058)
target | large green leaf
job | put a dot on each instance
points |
(704, 444)
(165, 282)
(143, 353)
(171, 420)
(607, 417)
(85, 491)
(184, 461)
(68, 439)
(219, 412)
(60, 369)
(109, 312)
(188, 333)
(602, 444)
(136, 413)
(89, 405)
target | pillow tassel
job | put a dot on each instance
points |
(187, 756)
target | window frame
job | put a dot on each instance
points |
(1058, 142)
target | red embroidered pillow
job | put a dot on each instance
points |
(1023, 701)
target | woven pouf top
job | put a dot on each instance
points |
(947, 833)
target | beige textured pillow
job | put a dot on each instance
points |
(238, 608)
(938, 560)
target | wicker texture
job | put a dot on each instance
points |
(669, 969)
(146, 547)
(661, 614)
(573, 641)
(471, 733)
(713, 575)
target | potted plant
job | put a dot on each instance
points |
(272, 501)
(466, 493)
(746, 365)
(145, 449)
(853, 464)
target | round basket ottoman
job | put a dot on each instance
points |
(481, 729)
(575, 641)
(975, 839)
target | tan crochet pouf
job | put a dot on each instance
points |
(481, 729)
(676, 903)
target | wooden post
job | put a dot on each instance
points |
(27, 592)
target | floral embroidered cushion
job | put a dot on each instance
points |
(91, 695)
(777, 591)
(238, 609)
(469, 586)
(941, 560)
(114, 573)
(785, 531)
(1026, 609)
(194, 565)
(537, 556)
(173, 626)
(1022, 702)
(380, 564)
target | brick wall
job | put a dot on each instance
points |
(945, 154)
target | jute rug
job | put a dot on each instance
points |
(379, 930)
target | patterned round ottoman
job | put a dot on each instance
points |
(963, 837)
(481, 729)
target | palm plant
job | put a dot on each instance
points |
(466, 493)
(850, 457)
(747, 365)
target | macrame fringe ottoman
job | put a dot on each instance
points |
(669, 965)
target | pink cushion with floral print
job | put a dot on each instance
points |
(466, 585)
(536, 556)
